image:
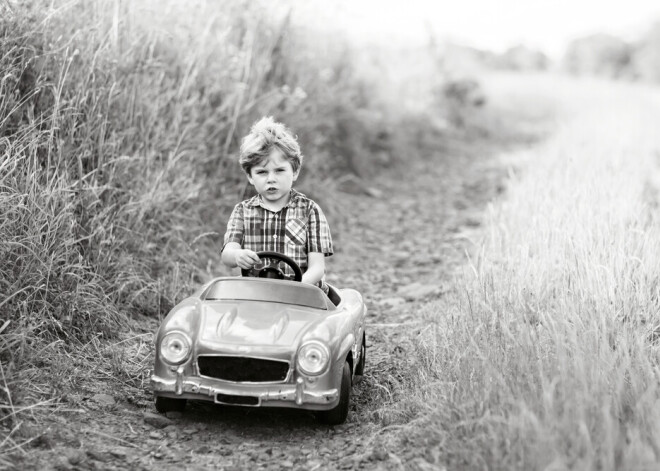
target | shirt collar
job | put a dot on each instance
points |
(294, 197)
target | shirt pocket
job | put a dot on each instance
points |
(296, 232)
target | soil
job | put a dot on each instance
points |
(404, 235)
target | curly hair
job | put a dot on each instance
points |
(266, 135)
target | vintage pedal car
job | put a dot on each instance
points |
(262, 340)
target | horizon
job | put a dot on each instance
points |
(548, 26)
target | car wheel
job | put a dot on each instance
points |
(359, 369)
(338, 414)
(169, 404)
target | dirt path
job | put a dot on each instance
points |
(399, 249)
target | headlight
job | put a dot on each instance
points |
(175, 348)
(313, 358)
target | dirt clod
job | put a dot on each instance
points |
(97, 455)
(74, 457)
(378, 454)
(104, 399)
(156, 420)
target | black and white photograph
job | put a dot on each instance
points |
(307, 235)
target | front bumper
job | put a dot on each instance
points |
(298, 395)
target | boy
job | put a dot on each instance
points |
(278, 218)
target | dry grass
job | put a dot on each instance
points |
(546, 356)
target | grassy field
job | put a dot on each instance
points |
(545, 355)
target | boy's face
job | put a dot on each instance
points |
(273, 178)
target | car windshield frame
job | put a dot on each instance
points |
(266, 290)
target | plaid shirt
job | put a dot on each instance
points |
(295, 230)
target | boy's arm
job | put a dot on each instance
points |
(315, 268)
(235, 256)
(318, 232)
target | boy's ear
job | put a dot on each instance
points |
(249, 177)
(295, 175)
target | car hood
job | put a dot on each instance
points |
(256, 323)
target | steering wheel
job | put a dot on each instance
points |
(271, 270)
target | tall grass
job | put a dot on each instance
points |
(546, 356)
(119, 127)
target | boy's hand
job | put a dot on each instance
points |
(246, 259)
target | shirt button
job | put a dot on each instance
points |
(274, 236)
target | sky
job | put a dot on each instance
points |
(548, 25)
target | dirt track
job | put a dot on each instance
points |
(399, 249)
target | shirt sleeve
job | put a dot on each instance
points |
(318, 232)
(235, 226)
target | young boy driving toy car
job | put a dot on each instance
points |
(279, 218)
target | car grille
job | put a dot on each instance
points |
(234, 400)
(242, 369)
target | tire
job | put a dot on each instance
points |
(169, 404)
(359, 369)
(338, 414)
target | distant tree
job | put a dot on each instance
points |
(523, 58)
(646, 57)
(599, 54)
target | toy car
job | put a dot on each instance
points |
(262, 340)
